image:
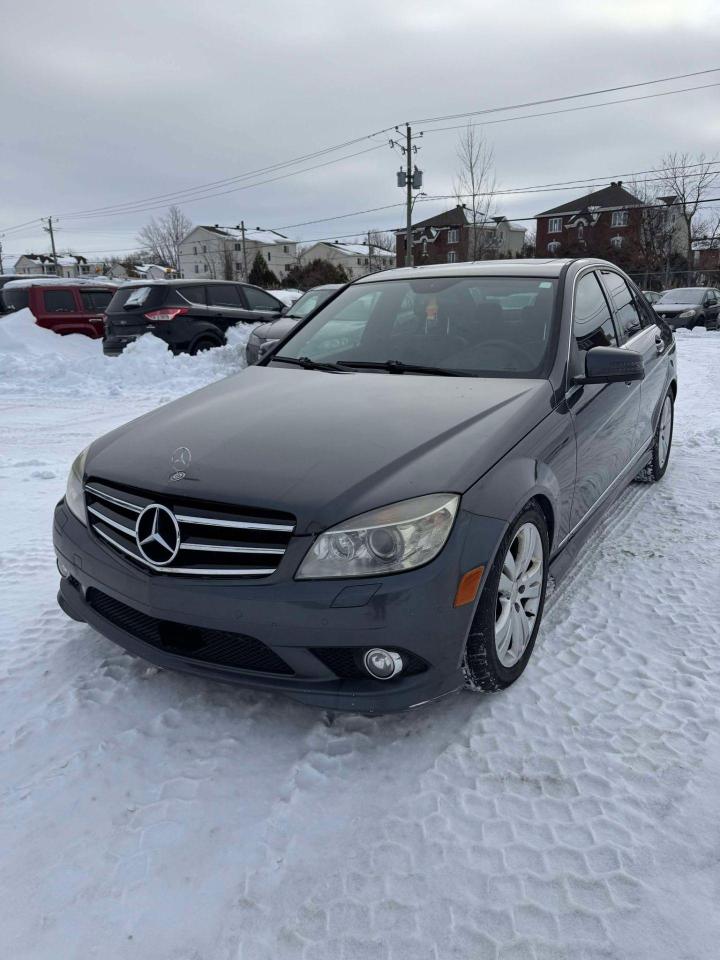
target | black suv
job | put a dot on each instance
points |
(189, 315)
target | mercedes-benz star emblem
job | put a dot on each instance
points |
(180, 458)
(157, 535)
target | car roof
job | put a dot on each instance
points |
(529, 267)
(53, 283)
(182, 282)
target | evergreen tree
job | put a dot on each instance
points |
(261, 274)
(315, 273)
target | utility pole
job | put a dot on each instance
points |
(49, 229)
(411, 179)
(1, 257)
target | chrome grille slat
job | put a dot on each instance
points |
(130, 531)
(235, 524)
(221, 548)
(210, 552)
(196, 571)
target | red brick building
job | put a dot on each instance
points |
(600, 223)
(448, 237)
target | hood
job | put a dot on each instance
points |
(276, 329)
(323, 446)
(673, 308)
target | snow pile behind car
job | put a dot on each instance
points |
(34, 360)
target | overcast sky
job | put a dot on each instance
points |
(105, 104)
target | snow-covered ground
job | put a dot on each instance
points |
(154, 816)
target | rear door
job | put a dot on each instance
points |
(226, 306)
(60, 309)
(640, 333)
(605, 415)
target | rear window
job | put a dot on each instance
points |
(95, 300)
(137, 298)
(59, 301)
(13, 299)
(194, 294)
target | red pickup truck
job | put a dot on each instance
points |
(62, 307)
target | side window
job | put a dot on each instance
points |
(258, 299)
(223, 295)
(623, 301)
(592, 321)
(95, 299)
(193, 294)
(60, 301)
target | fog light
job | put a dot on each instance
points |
(63, 568)
(382, 664)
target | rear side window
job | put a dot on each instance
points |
(592, 321)
(626, 311)
(14, 299)
(223, 295)
(59, 301)
(260, 300)
(95, 300)
(194, 294)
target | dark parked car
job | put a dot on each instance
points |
(7, 277)
(267, 334)
(189, 315)
(689, 307)
(62, 306)
(382, 534)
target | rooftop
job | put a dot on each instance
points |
(607, 199)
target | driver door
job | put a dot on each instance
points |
(605, 415)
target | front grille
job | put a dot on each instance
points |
(345, 662)
(210, 540)
(196, 643)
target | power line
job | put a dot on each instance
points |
(571, 96)
(586, 106)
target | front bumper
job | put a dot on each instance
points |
(411, 612)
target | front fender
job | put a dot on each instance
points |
(543, 464)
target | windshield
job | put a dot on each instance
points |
(480, 326)
(308, 302)
(683, 295)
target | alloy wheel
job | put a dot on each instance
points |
(519, 592)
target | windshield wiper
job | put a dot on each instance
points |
(307, 364)
(397, 366)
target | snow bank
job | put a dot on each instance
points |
(288, 297)
(37, 361)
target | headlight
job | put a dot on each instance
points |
(398, 537)
(686, 314)
(74, 496)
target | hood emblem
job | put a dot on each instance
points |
(180, 458)
(157, 535)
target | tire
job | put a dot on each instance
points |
(494, 660)
(662, 443)
(202, 344)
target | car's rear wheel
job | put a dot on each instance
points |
(202, 344)
(662, 443)
(508, 615)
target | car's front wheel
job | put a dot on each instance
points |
(508, 615)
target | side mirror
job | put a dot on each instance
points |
(265, 348)
(611, 365)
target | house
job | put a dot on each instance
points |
(612, 223)
(153, 271)
(706, 261)
(68, 265)
(217, 252)
(454, 237)
(357, 259)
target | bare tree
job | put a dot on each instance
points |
(379, 240)
(475, 187)
(162, 238)
(707, 237)
(688, 179)
(656, 238)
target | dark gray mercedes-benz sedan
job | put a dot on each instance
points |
(366, 520)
